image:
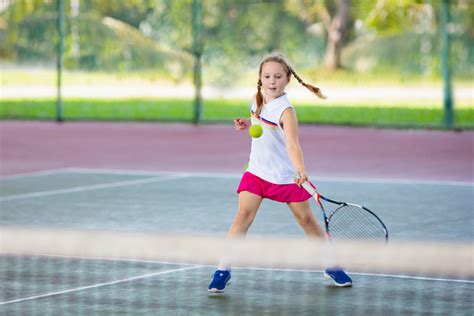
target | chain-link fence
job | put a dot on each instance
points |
(136, 60)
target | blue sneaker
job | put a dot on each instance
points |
(338, 276)
(219, 281)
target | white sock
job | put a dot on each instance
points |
(223, 266)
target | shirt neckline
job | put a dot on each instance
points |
(277, 100)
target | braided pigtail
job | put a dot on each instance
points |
(279, 58)
(311, 88)
(259, 98)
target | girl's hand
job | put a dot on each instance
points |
(300, 178)
(241, 123)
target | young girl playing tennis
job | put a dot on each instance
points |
(276, 168)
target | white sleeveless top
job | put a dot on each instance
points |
(268, 155)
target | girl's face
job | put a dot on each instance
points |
(274, 80)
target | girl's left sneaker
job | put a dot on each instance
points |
(220, 280)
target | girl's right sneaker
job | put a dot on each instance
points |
(338, 276)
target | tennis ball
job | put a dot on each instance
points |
(255, 131)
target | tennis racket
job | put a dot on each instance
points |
(349, 221)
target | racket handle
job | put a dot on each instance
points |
(308, 187)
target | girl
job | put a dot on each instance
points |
(276, 168)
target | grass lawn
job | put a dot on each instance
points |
(181, 110)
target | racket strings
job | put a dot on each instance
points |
(353, 222)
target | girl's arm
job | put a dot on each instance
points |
(241, 123)
(295, 153)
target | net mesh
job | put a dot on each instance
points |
(91, 272)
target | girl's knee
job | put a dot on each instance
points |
(306, 220)
(245, 215)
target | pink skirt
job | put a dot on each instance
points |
(277, 192)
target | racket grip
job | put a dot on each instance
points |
(309, 188)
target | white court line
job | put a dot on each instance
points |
(39, 254)
(238, 175)
(86, 188)
(149, 275)
(380, 275)
(157, 173)
(398, 276)
(34, 174)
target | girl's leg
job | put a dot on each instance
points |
(305, 217)
(248, 207)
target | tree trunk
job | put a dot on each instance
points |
(336, 33)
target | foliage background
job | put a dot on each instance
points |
(384, 37)
(149, 42)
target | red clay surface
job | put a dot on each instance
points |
(329, 151)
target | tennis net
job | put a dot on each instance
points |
(94, 272)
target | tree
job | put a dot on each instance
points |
(335, 18)
(234, 33)
(336, 27)
(131, 12)
(392, 17)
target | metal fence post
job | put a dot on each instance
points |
(197, 52)
(447, 99)
(59, 62)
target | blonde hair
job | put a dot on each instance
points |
(279, 58)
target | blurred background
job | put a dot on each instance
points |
(390, 63)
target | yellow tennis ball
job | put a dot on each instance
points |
(255, 131)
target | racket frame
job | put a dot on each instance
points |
(311, 189)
